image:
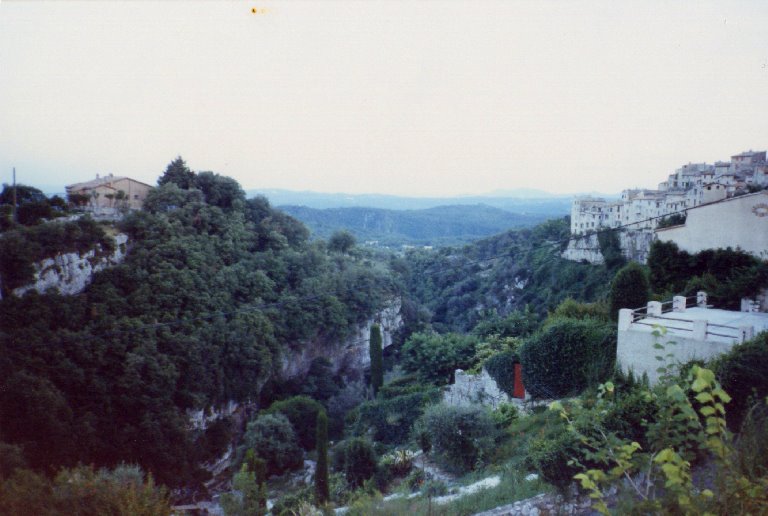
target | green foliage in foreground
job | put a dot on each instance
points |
(123, 491)
(567, 356)
(660, 476)
(743, 372)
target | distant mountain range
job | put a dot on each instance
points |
(525, 201)
(437, 226)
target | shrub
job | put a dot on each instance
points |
(407, 384)
(461, 437)
(505, 414)
(742, 373)
(629, 289)
(551, 457)
(572, 309)
(275, 440)
(567, 357)
(435, 357)
(501, 367)
(391, 419)
(356, 458)
(302, 412)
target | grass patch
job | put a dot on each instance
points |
(512, 487)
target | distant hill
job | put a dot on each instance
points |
(517, 201)
(441, 225)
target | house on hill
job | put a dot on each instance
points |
(108, 195)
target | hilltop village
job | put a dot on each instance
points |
(640, 214)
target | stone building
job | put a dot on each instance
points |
(109, 194)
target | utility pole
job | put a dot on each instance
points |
(14, 195)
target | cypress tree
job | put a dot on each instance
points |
(629, 289)
(377, 366)
(321, 470)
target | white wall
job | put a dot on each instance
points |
(735, 222)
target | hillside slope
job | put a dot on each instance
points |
(442, 225)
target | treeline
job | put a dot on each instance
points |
(214, 292)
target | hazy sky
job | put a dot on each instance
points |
(414, 98)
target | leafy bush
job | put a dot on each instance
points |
(302, 412)
(359, 461)
(501, 367)
(519, 323)
(273, 437)
(407, 384)
(629, 289)
(462, 438)
(567, 357)
(435, 357)
(390, 420)
(551, 458)
(742, 373)
(572, 309)
(83, 491)
(505, 414)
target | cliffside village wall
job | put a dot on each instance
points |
(639, 211)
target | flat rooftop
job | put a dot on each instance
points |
(723, 325)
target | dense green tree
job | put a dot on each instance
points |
(274, 438)
(321, 470)
(377, 359)
(359, 460)
(179, 174)
(629, 289)
(341, 242)
(302, 412)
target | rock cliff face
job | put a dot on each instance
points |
(70, 273)
(635, 246)
(350, 356)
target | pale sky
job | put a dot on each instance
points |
(411, 98)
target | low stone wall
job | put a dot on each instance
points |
(474, 389)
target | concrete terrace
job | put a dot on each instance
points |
(722, 325)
